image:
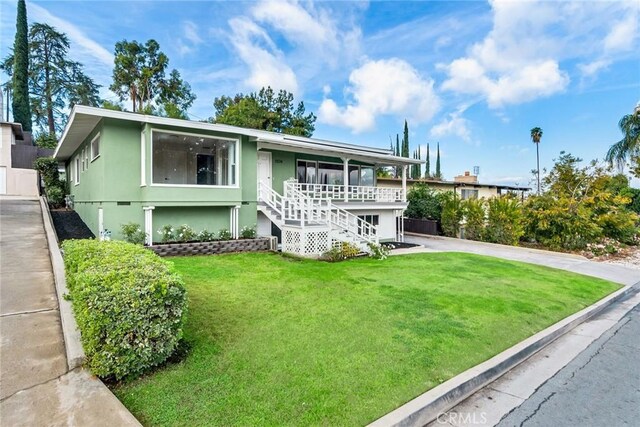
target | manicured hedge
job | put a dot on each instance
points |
(129, 304)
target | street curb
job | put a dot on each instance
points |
(70, 332)
(520, 248)
(426, 407)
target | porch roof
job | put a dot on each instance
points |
(83, 120)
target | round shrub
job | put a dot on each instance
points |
(129, 304)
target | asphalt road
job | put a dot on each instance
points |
(600, 387)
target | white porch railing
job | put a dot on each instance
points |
(348, 192)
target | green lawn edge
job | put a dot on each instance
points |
(283, 341)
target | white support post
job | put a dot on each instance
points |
(148, 224)
(101, 223)
(404, 183)
(345, 172)
(234, 221)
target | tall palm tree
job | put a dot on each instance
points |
(629, 145)
(536, 136)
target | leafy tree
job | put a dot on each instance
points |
(438, 174)
(424, 202)
(46, 140)
(139, 74)
(267, 110)
(116, 106)
(427, 170)
(20, 70)
(581, 205)
(56, 82)
(629, 145)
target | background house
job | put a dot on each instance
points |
(465, 185)
(17, 176)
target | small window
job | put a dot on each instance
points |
(76, 177)
(469, 194)
(95, 147)
(86, 158)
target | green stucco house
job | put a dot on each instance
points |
(127, 167)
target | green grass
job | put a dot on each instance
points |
(280, 341)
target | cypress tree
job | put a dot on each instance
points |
(398, 168)
(20, 104)
(438, 173)
(427, 170)
(419, 167)
(405, 141)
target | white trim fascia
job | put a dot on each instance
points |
(258, 135)
(143, 159)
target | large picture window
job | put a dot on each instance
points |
(311, 172)
(180, 159)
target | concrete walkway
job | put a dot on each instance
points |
(35, 385)
(569, 262)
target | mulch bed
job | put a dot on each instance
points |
(69, 225)
(399, 245)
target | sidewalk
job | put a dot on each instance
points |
(35, 385)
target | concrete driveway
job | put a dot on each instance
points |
(36, 388)
(569, 262)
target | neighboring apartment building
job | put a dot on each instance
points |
(466, 186)
(128, 167)
(15, 179)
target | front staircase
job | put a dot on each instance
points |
(311, 226)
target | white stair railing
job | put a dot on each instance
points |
(354, 225)
(295, 208)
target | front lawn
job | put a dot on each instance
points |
(279, 341)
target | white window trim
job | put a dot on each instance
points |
(238, 142)
(143, 160)
(76, 171)
(93, 157)
(317, 162)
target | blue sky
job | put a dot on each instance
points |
(475, 76)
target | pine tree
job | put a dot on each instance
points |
(427, 170)
(405, 141)
(20, 105)
(438, 172)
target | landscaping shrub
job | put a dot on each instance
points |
(167, 234)
(473, 210)
(248, 232)
(54, 187)
(378, 251)
(424, 203)
(452, 214)
(206, 236)
(133, 233)
(185, 234)
(224, 234)
(129, 304)
(340, 252)
(504, 221)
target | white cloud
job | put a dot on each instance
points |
(623, 34)
(382, 87)
(514, 63)
(191, 32)
(86, 47)
(455, 125)
(266, 63)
